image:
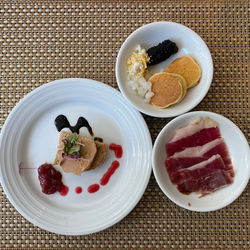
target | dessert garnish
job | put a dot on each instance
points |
(197, 158)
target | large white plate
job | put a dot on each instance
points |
(238, 150)
(29, 136)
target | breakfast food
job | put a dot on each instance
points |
(137, 62)
(161, 52)
(76, 153)
(137, 70)
(198, 159)
(188, 68)
(183, 83)
(161, 90)
(167, 90)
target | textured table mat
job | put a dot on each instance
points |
(46, 40)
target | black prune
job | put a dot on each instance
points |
(161, 52)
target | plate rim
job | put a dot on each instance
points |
(163, 115)
(165, 192)
(148, 170)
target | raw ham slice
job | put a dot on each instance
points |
(196, 133)
(175, 164)
(199, 170)
(193, 155)
(198, 159)
(206, 178)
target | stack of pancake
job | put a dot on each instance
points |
(170, 87)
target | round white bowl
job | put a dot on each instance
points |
(188, 42)
(238, 150)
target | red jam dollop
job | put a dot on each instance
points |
(50, 179)
(117, 149)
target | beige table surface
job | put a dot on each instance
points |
(41, 41)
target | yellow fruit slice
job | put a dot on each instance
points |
(188, 68)
(167, 90)
(183, 83)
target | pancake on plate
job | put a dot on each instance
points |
(167, 90)
(182, 81)
(188, 68)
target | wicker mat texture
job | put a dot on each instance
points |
(41, 41)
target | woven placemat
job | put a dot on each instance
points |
(46, 40)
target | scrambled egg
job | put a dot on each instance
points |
(137, 62)
(137, 71)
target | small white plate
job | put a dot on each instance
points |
(30, 136)
(239, 153)
(188, 42)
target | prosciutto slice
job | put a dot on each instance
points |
(197, 133)
(205, 177)
(194, 155)
(199, 170)
(198, 159)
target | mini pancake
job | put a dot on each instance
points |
(88, 151)
(100, 156)
(167, 90)
(188, 68)
(182, 81)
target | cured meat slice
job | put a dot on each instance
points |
(197, 133)
(173, 164)
(199, 170)
(205, 177)
(216, 179)
(217, 146)
(198, 159)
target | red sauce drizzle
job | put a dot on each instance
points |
(93, 188)
(105, 179)
(189, 204)
(64, 191)
(117, 149)
(78, 190)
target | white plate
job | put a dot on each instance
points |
(239, 153)
(29, 136)
(188, 42)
